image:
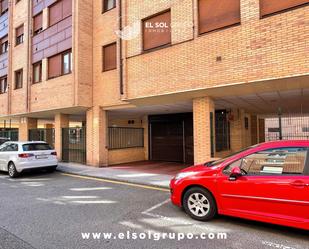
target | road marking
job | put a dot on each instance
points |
(80, 197)
(117, 182)
(94, 202)
(29, 179)
(181, 221)
(32, 184)
(90, 189)
(276, 245)
(156, 206)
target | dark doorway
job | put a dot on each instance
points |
(171, 137)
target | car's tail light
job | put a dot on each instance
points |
(54, 153)
(25, 155)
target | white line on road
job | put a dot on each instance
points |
(181, 221)
(90, 189)
(29, 179)
(156, 206)
(95, 202)
(80, 197)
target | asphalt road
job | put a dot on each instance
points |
(53, 210)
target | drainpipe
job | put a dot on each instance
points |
(10, 39)
(29, 59)
(120, 48)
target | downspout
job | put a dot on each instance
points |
(120, 49)
(29, 60)
(10, 39)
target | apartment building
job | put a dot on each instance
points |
(109, 82)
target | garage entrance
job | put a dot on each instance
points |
(171, 138)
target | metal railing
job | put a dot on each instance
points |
(287, 128)
(74, 145)
(125, 137)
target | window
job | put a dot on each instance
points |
(268, 7)
(157, 31)
(59, 11)
(109, 57)
(4, 6)
(36, 146)
(38, 23)
(67, 62)
(4, 45)
(18, 79)
(3, 84)
(108, 5)
(60, 64)
(37, 72)
(277, 161)
(9, 147)
(215, 14)
(19, 34)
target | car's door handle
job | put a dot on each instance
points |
(299, 184)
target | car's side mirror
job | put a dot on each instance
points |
(235, 173)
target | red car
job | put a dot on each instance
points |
(268, 182)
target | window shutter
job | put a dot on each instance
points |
(215, 14)
(38, 22)
(54, 66)
(67, 8)
(20, 31)
(154, 36)
(110, 57)
(55, 13)
(272, 6)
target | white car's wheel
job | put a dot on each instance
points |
(12, 170)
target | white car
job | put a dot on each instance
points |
(17, 157)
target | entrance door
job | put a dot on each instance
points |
(171, 137)
(167, 141)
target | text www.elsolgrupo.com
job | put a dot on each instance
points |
(153, 236)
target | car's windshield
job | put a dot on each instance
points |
(36, 146)
(217, 162)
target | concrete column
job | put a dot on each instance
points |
(202, 109)
(61, 121)
(237, 126)
(97, 128)
(25, 124)
(49, 133)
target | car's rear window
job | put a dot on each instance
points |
(36, 146)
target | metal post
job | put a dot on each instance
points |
(280, 123)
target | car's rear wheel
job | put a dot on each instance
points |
(12, 170)
(199, 204)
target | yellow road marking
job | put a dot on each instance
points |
(116, 182)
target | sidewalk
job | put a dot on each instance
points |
(138, 177)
